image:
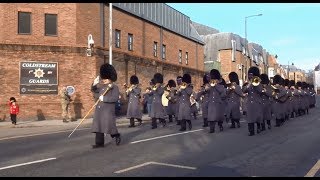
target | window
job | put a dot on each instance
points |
(130, 42)
(117, 38)
(155, 49)
(50, 24)
(180, 56)
(187, 58)
(163, 51)
(24, 23)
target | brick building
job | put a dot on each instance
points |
(147, 38)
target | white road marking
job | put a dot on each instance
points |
(313, 170)
(133, 167)
(173, 165)
(14, 137)
(156, 163)
(23, 164)
(159, 137)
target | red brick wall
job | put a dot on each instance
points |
(228, 66)
(66, 23)
(74, 69)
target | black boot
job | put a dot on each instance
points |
(178, 122)
(238, 122)
(292, 115)
(269, 124)
(99, 140)
(170, 118)
(251, 129)
(212, 125)
(154, 123)
(117, 138)
(281, 121)
(307, 111)
(195, 115)
(220, 126)
(263, 126)
(189, 124)
(140, 122)
(163, 122)
(131, 123)
(205, 122)
(183, 125)
(277, 123)
(233, 124)
(258, 128)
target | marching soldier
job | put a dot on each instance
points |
(172, 100)
(254, 100)
(104, 119)
(179, 82)
(305, 97)
(184, 94)
(203, 97)
(234, 94)
(313, 96)
(133, 93)
(300, 97)
(266, 101)
(295, 99)
(225, 100)
(279, 95)
(287, 104)
(216, 95)
(157, 110)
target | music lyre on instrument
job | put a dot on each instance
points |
(110, 86)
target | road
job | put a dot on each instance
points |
(290, 150)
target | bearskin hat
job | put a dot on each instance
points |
(186, 78)
(223, 83)
(13, 99)
(299, 84)
(158, 78)
(215, 74)
(291, 83)
(286, 82)
(304, 85)
(277, 79)
(254, 71)
(134, 79)
(264, 79)
(206, 79)
(171, 83)
(233, 77)
(107, 71)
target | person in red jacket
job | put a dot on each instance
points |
(14, 110)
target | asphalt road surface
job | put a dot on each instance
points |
(289, 150)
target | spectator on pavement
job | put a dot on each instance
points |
(14, 110)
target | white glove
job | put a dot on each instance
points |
(101, 98)
(96, 81)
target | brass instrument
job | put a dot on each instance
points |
(155, 87)
(275, 90)
(192, 99)
(213, 83)
(255, 81)
(109, 87)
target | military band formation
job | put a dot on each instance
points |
(259, 100)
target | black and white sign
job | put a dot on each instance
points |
(38, 77)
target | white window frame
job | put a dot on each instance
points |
(187, 58)
(180, 56)
(117, 38)
(155, 49)
(164, 51)
(130, 42)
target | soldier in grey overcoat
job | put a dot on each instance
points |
(184, 93)
(292, 98)
(295, 98)
(172, 100)
(313, 96)
(179, 82)
(287, 103)
(266, 101)
(134, 95)
(254, 100)
(203, 97)
(234, 95)
(279, 97)
(216, 105)
(104, 118)
(157, 109)
(300, 99)
(306, 97)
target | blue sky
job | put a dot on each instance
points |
(290, 30)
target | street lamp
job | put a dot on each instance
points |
(245, 31)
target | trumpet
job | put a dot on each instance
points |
(183, 85)
(275, 90)
(255, 81)
(155, 87)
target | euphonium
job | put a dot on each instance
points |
(255, 81)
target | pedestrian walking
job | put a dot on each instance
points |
(104, 119)
(65, 100)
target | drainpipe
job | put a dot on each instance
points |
(102, 25)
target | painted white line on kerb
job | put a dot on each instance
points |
(159, 137)
(313, 170)
(148, 163)
(133, 167)
(30, 135)
(23, 164)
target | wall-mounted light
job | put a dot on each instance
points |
(90, 45)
